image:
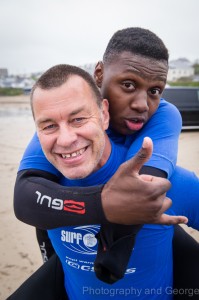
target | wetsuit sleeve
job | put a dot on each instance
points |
(40, 202)
(185, 195)
(164, 129)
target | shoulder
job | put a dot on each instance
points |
(167, 118)
(168, 109)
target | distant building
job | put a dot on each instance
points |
(3, 72)
(179, 68)
(20, 82)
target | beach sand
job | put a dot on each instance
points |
(20, 255)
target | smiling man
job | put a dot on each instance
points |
(71, 119)
(71, 128)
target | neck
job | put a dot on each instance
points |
(106, 152)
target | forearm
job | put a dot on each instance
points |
(43, 203)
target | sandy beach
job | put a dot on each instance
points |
(20, 255)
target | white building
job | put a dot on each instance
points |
(181, 67)
(3, 72)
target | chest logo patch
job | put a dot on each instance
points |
(81, 239)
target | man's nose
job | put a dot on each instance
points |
(140, 102)
(66, 136)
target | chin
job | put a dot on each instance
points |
(75, 176)
(126, 131)
(129, 132)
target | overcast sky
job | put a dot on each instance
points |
(37, 34)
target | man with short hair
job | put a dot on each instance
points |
(70, 125)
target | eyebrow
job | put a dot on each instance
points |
(43, 121)
(155, 77)
(78, 110)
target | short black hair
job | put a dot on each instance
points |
(138, 41)
(59, 74)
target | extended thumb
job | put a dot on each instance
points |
(144, 154)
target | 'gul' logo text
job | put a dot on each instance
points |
(59, 204)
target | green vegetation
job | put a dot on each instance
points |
(11, 91)
(184, 83)
(196, 69)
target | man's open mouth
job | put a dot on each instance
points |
(135, 124)
(74, 154)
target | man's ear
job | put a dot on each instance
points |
(98, 73)
(105, 114)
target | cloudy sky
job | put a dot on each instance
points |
(37, 34)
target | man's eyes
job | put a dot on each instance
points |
(78, 121)
(156, 91)
(131, 86)
(49, 127)
(73, 122)
(128, 85)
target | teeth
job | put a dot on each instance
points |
(74, 154)
(81, 151)
(136, 121)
